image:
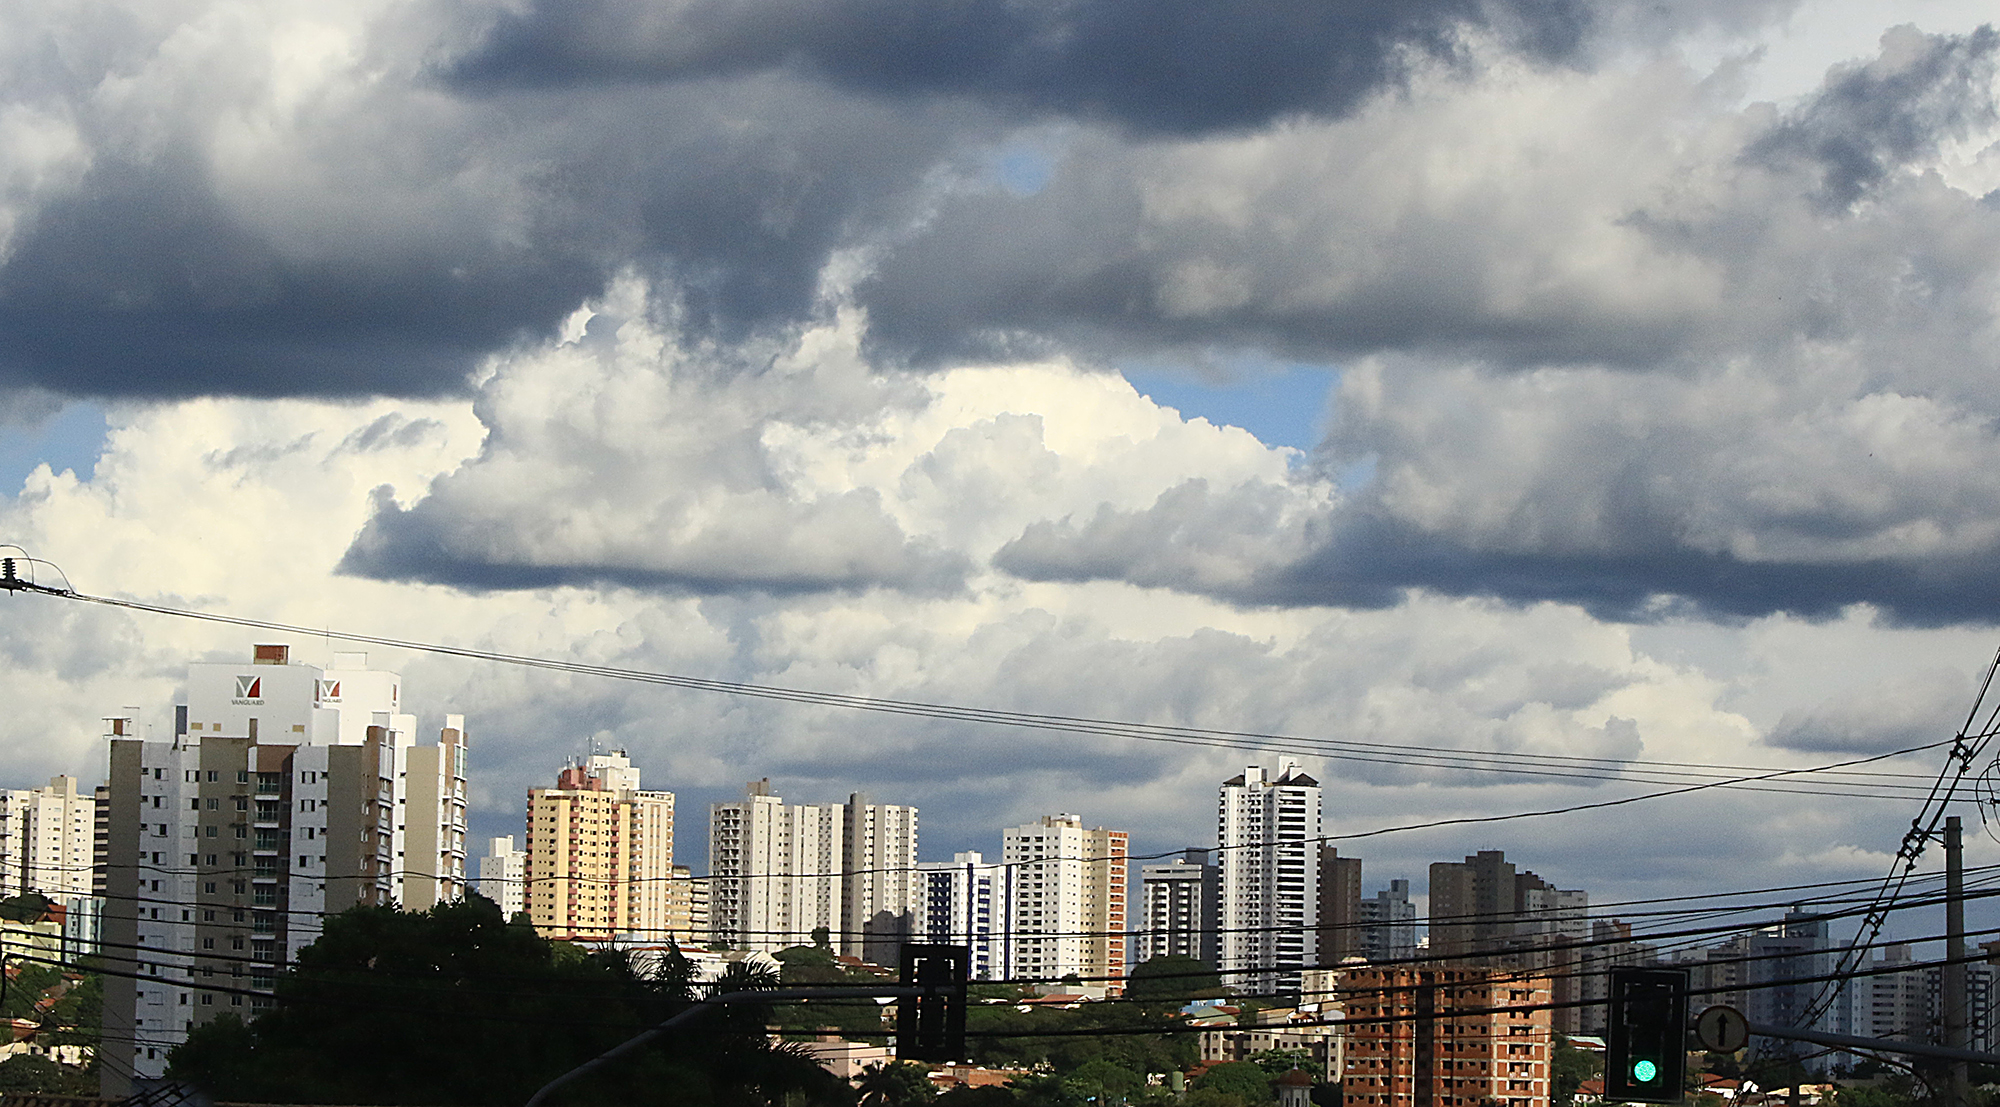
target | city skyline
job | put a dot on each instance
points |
(1416, 882)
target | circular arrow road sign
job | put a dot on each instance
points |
(1722, 1029)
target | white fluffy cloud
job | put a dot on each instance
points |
(248, 507)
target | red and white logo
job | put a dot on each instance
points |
(329, 690)
(249, 688)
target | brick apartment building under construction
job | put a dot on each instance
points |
(1422, 1036)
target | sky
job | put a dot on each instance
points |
(1610, 380)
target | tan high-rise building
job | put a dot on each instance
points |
(1419, 1036)
(687, 908)
(600, 854)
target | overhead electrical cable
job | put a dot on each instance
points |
(1692, 775)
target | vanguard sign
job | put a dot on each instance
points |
(249, 689)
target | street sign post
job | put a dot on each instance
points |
(1722, 1029)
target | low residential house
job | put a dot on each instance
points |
(847, 1059)
(1317, 1035)
(948, 1077)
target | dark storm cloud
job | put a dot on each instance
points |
(140, 284)
(1180, 66)
(838, 544)
(1872, 119)
(1361, 557)
(1323, 240)
(386, 239)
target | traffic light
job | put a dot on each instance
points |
(1646, 1051)
(930, 1026)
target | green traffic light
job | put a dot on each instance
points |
(1644, 1072)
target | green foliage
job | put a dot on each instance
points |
(24, 908)
(1278, 1062)
(1243, 1079)
(1569, 1067)
(1210, 1097)
(483, 1012)
(26, 986)
(1885, 1094)
(28, 1073)
(1046, 1090)
(1064, 1040)
(1104, 1081)
(75, 1019)
(897, 1084)
(1171, 980)
(806, 966)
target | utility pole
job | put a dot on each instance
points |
(1960, 1094)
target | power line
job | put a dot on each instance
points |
(1557, 766)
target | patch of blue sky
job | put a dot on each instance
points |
(1024, 172)
(1282, 403)
(1026, 163)
(72, 438)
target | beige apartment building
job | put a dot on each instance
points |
(779, 871)
(46, 840)
(600, 854)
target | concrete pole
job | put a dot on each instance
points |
(1960, 1094)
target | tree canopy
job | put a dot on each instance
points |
(457, 1006)
(1172, 979)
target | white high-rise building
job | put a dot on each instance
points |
(46, 838)
(775, 871)
(283, 793)
(1389, 924)
(880, 886)
(1268, 829)
(501, 874)
(1067, 901)
(965, 904)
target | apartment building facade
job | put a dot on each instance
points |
(965, 903)
(284, 793)
(778, 872)
(1267, 830)
(47, 840)
(1419, 1036)
(503, 875)
(1067, 902)
(1181, 900)
(600, 854)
